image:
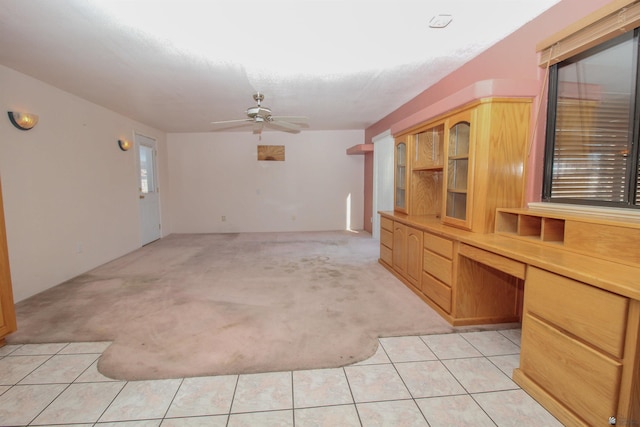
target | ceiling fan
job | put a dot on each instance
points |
(260, 116)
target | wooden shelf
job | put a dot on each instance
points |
(534, 227)
(606, 239)
(434, 168)
(360, 149)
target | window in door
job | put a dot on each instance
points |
(147, 173)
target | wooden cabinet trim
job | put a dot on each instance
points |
(7, 309)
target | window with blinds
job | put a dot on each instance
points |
(592, 138)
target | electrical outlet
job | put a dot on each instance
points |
(224, 218)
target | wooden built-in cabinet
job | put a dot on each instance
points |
(463, 165)
(437, 265)
(407, 252)
(458, 183)
(421, 170)
(386, 241)
(7, 311)
(460, 239)
(457, 169)
(580, 351)
(466, 285)
(401, 175)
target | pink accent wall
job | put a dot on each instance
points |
(513, 58)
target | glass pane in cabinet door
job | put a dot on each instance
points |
(402, 154)
(459, 139)
(458, 173)
(401, 175)
(399, 198)
(457, 205)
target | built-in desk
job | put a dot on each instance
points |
(577, 296)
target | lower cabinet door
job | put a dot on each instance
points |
(414, 256)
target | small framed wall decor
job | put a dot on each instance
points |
(271, 153)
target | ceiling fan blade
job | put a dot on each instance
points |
(284, 126)
(291, 119)
(230, 124)
(224, 122)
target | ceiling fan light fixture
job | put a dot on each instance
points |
(440, 21)
(260, 116)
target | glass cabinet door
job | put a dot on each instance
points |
(457, 170)
(401, 180)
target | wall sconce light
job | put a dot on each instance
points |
(124, 144)
(23, 121)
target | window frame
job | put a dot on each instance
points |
(633, 161)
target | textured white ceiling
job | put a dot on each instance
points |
(178, 65)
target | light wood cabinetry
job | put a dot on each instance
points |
(437, 265)
(458, 182)
(428, 150)
(466, 285)
(484, 161)
(601, 237)
(571, 279)
(579, 349)
(7, 311)
(423, 180)
(386, 241)
(463, 165)
(401, 176)
(407, 252)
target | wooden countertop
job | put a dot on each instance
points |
(615, 277)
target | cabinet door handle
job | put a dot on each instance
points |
(142, 196)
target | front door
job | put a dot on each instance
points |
(149, 191)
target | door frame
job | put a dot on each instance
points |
(137, 144)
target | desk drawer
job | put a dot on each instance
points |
(504, 264)
(439, 245)
(437, 291)
(581, 378)
(386, 238)
(386, 255)
(386, 223)
(438, 266)
(594, 315)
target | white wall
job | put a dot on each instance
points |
(70, 194)
(217, 174)
(383, 179)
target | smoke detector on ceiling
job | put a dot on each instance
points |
(440, 21)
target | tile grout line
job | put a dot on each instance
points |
(233, 397)
(353, 398)
(172, 400)
(493, 391)
(36, 385)
(413, 398)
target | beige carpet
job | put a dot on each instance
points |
(212, 304)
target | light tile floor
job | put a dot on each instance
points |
(459, 379)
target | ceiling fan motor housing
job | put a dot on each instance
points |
(258, 111)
